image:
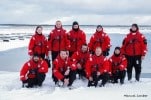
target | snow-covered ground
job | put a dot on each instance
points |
(10, 89)
(13, 54)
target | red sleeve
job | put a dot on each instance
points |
(91, 43)
(44, 67)
(123, 45)
(67, 41)
(73, 65)
(110, 65)
(123, 65)
(56, 71)
(144, 45)
(23, 72)
(88, 67)
(31, 46)
(105, 67)
(74, 57)
(83, 39)
(107, 42)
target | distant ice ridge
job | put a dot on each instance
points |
(87, 29)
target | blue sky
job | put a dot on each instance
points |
(106, 12)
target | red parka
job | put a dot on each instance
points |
(60, 66)
(81, 57)
(99, 39)
(97, 64)
(77, 38)
(117, 63)
(58, 40)
(30, 69)
(134, 44)
(38, 44)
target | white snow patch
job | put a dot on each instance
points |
(10, 89)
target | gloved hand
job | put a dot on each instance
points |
(106, 52)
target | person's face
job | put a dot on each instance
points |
(36, 58)
(133, 28)
(58, 24)
(84, 48)
(98, 51)
(117, 51)
(39, 30)
(63, 54)
(76, 26)
(99, 29)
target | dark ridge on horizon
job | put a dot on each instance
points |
(71, 25)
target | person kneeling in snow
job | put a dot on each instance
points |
(118, 65)
(64, 71)
(33, 71)
(80, 58)
(97, 68)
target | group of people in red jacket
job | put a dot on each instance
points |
(72, 57)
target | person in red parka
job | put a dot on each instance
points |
(134, 48)
(80, 58)
(118, 64)
(77, 37)
(97, 68)
(100, 38)
(33, 71)
(58, 40)
(38, 43)
(64, 70)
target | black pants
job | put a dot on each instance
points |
(71, 77)
(37, 81)
(134, 61)
(119, 75)
(54, 55)
(104, 77)
(81, 73)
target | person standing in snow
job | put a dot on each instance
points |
(58, 40)
(33, 71)
(118, 64)
(100, 38)
(97, 68)
(64, 70)
(80, 58)
(134, 48)
(38, 44)
(77, 37)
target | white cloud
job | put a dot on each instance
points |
(84, 11)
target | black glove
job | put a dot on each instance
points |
(106, 52)
(23, 83)
(48, 62)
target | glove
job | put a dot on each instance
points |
(106, 52)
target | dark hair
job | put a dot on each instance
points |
(117, 48)
(99, 26)
(39, 26)
(84, 44)
(134, 25)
